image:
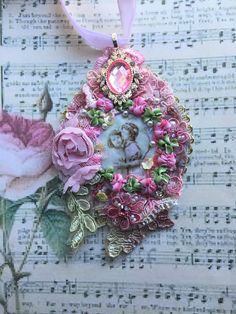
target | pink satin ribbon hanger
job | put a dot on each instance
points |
(101, 41)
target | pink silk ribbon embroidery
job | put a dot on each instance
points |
(101, 41)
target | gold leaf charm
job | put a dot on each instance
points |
(75, 224)
(90, 223)
(125, 241)
(84, 205)
(77, 239)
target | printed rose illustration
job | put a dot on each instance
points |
(25, 156)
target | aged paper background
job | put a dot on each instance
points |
(189, 268)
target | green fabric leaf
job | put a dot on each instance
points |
(160, 175)
(55, 226)
(127, 104)
(132, 185)
(169, 149)
(95, 122)
(152, 115)
(107, 173)
(167, 139)
(156, 115)
(165, 177)
(168, 144)
(174, 143)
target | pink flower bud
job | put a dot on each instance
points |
(139, 106)
(149, 185)
(166, 160)
(104, 104)
(161, 129)
(117, 182)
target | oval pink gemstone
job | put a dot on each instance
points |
(119, 76)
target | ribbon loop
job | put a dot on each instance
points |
(101, 41)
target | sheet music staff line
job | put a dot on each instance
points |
(210, 214)
(170, 67)
(209, 258)
(194, 106)
(122, 291)
(227, 178)
(177, 39)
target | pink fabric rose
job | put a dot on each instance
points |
(82, 174)
(72, 155)
(161, 129)
(117, 182)
(149, 185)
(174, 186)
(25, 156)
(166, 160)
(139, 106)
(71, 147)
(104, 104)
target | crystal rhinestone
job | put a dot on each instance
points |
(119, 76)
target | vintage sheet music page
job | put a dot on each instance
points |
(189, 268)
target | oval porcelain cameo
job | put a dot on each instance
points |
(119, 77)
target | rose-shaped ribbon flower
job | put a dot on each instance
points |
(149, 185)
(174, 186)
(25, 156)
(139, 106)
(84, 173)
(164, 159)
(117, 182)
(161, 129)
(104, 104)
(72, 155)
(71, 147)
